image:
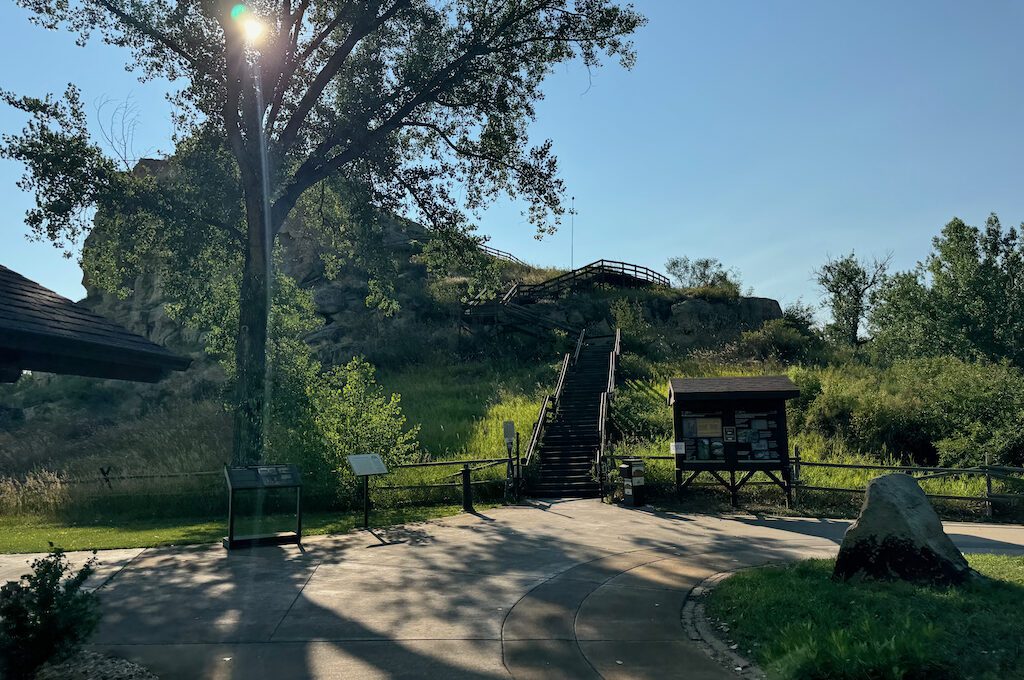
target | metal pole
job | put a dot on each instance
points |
(510, 473)
(572, 233)
(467, 490)
(988, 483)
(796, 474)
(366, 501)
(298, 513)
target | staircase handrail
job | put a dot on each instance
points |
(612, 361)
(510, 294)
(500, 254)
(523, 313)
(579, 346)
(638, 272)
(605, 409)
(538, 430)
(561, 378)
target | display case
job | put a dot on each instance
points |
(257, 496)
(731, 428)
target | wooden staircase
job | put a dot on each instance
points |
(572, 439)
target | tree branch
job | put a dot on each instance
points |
(151, 32)
(327, 73)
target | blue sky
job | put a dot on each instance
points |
(766, 134)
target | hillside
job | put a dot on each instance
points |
(457, 382)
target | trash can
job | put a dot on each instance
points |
(632, 473)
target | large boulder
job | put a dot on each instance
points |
(898, 536)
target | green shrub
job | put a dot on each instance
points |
(321, 417)
(782, 340)
(46, 615)
(930, 411)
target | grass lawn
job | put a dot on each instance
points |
(21, 534)
(800, 625)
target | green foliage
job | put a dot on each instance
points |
(849, 284)
(319, 418)
(792, 339)
(882, 631)
(965, 300)
(942, 410)
(460, 407)
(704, 276)
(46, 615)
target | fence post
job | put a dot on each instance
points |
(988, 484)
(796, 473)
(467, 490)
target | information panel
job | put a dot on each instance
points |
(366, 464)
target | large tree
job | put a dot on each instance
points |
(408, 104)
(848, 284)
(966, 299)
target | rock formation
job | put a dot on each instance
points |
(898, 536)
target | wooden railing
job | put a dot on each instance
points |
(501, 254)
(538, 431)
(579, 346)
(510, 294)
(920, 473)
(638, 273)
(604, 416)
(561, 380)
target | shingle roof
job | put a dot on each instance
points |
(44, 331)
(765, 386)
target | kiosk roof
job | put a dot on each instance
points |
(757, 387)
(43, 331)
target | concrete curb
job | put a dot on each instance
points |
(701, 632)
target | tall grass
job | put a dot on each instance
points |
(460, 407)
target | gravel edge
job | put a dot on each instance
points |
(702, 633)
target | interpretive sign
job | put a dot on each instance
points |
(256, 483)
(365, 464)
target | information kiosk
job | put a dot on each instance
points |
(731, 428)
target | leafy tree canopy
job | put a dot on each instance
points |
(703, 272)
(403, 106)
(965, 300)
(848, 284)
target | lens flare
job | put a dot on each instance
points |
(237, 11)
(253, 29)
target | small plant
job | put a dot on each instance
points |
(46, 615)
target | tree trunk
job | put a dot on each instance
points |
(251, 345)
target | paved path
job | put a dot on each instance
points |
(568, 590)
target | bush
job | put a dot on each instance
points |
(943, 410)
(320, 417)
(45, 616)
(782, 340)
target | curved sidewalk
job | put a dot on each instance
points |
(573, 589)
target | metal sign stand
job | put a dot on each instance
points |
(366, 465)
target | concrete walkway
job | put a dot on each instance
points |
(574, 589)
